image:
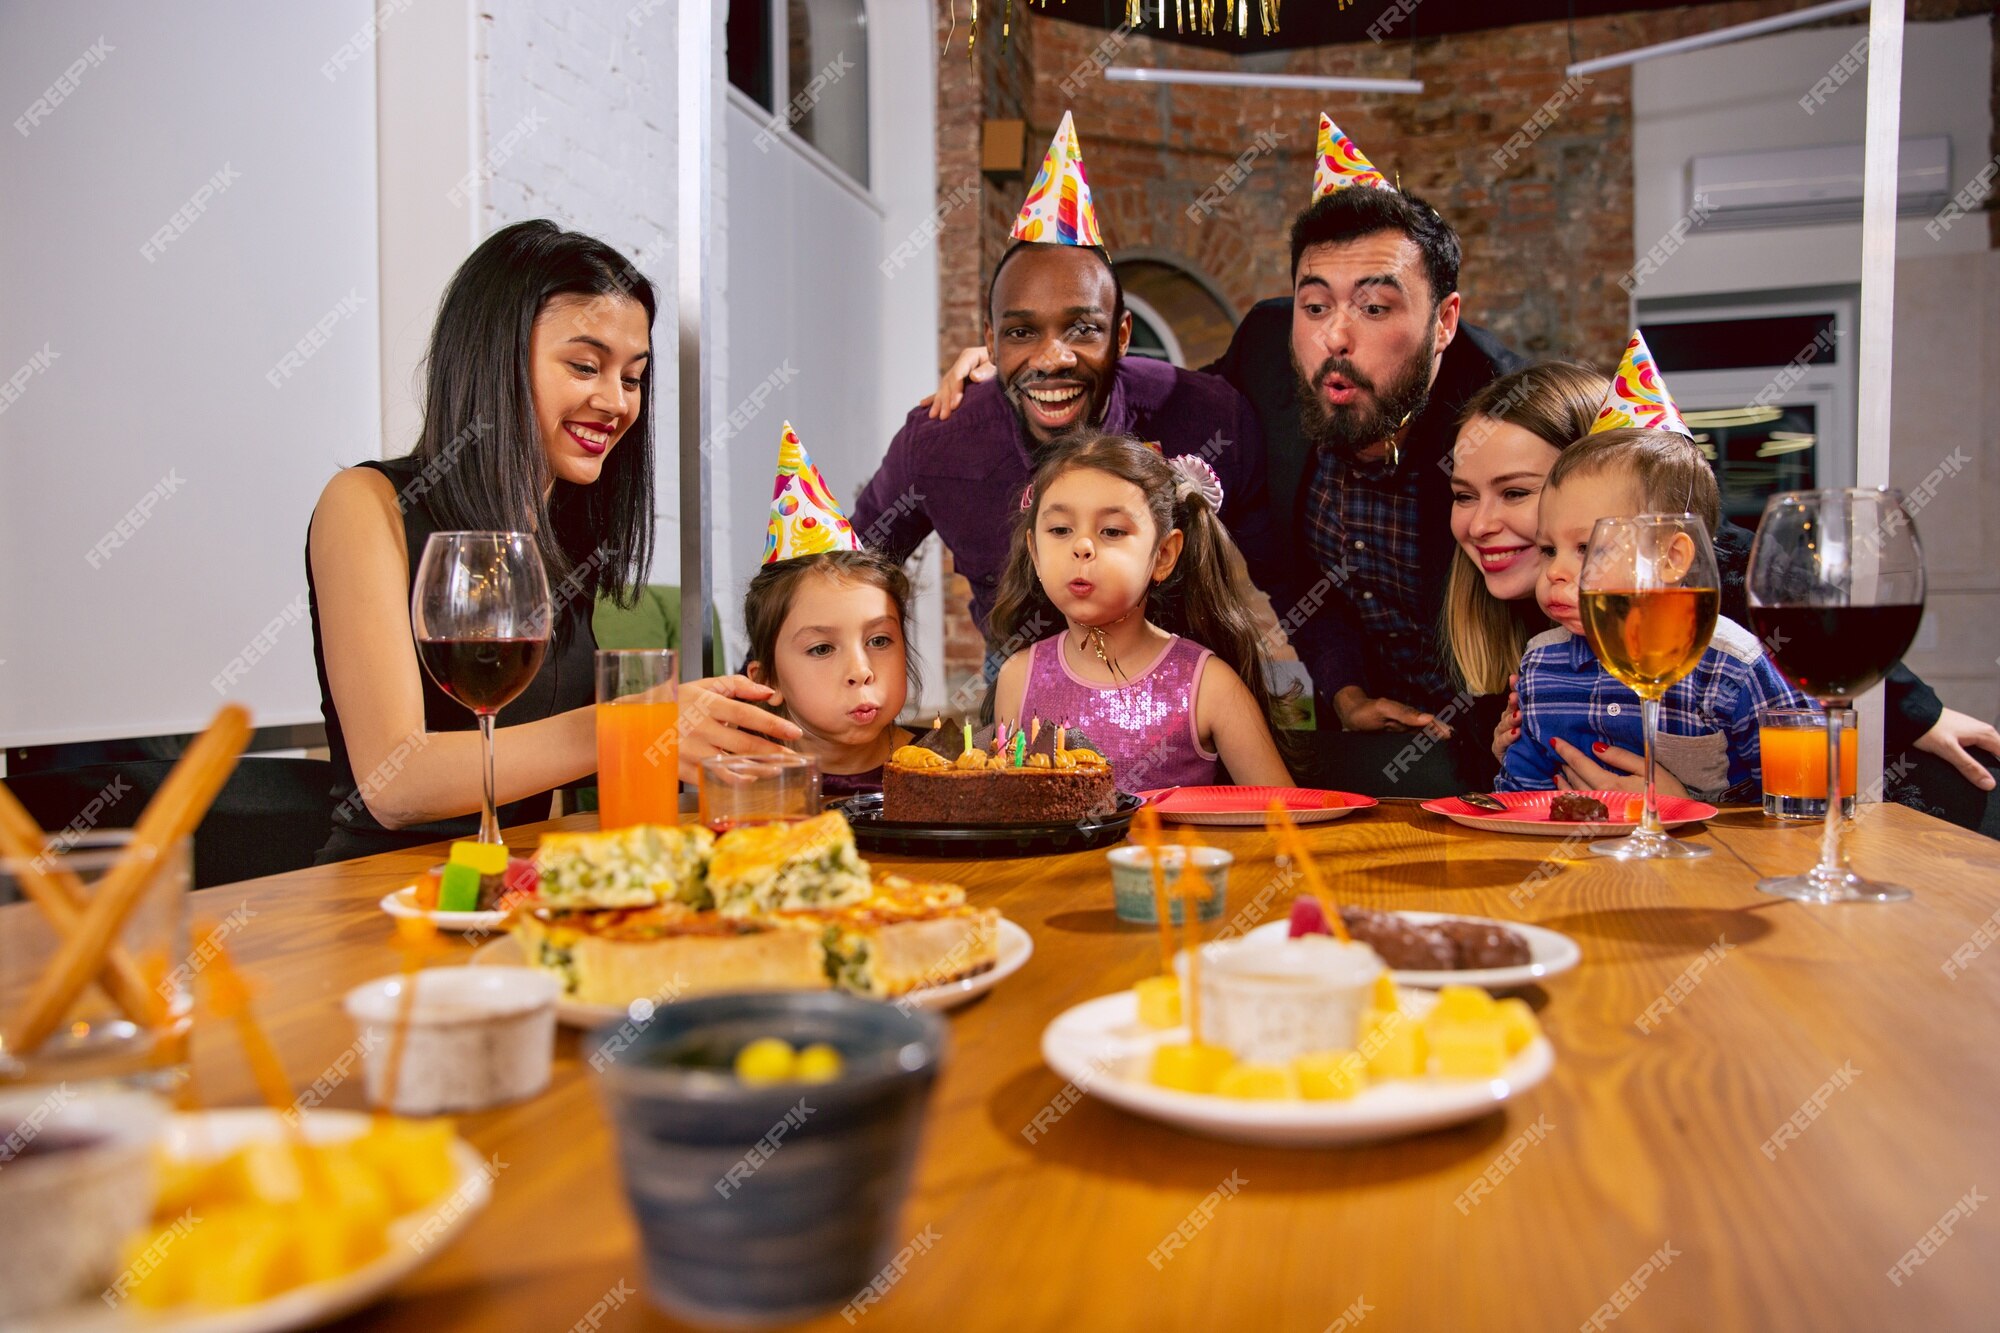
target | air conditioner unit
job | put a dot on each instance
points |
(1786, 187)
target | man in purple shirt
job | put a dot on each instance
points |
(1057, 329)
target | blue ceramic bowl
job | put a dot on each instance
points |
(1132, 882)
(767, 1204)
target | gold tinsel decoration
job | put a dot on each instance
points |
(1196, 15)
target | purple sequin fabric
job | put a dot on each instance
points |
(1145, 726)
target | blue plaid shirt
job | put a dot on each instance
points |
(1708, 720)
(1362, 520)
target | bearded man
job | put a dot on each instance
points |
(1358, 416)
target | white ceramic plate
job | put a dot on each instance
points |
(403, 903)
(1528, 812)
(1013, 945)
(1549, 952)
(215, 1132)
(1103, 1049)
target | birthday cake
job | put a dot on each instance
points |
(1000, 775)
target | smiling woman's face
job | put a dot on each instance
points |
(1497, 473)
(587, 354)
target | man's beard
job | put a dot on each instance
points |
(1350, 429)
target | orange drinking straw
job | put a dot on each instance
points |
(416, 937)
(1146, 828)
(1191, 920)
(1294, 846)
(229, 993)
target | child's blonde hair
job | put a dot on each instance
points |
(1672, 475)
(1484, 636)
(1201, 600)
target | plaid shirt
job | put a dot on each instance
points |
(1362, 519)
(1708, 720)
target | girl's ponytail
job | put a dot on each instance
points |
(1207, 599)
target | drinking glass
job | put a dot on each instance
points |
(740, 789)
(1836, 590)
(1649, 598)
(638, 737)
(1793, 744)
(480, 610)
(133, 1030)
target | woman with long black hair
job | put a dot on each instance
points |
(537, 418)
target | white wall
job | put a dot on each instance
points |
(165, 372)
(1744, 97)
(428, 128)
(1946, 379)
(837, 348)
(1945, 455)
(577, 117)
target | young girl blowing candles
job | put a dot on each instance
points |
(828, 630)
(1123, 572)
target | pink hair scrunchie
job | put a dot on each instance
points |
(1197, 477)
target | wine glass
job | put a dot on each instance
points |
(1836, 591)
(480, 610)
(1649, 597)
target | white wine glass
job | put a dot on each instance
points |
(1649, 599)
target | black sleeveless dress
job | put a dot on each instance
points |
(565, 681)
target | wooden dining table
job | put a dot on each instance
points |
(1763, 1114)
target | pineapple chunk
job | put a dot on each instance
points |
(1262, 1083)
(1190, 1066)
(1393, 1045)
(412, 1157)
(1517, 1021)
(1470, 1050)
(261, 1171)
(1330, 1075)
(1385, 997)
(1159, 1002)
(1460, 1004)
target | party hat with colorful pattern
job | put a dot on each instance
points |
(805, 518)
(1340, 164)
(1058, 208)
(1638, 396)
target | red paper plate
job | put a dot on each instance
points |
(1246, 806)
(1528, 812)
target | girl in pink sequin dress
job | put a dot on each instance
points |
(1123, 621)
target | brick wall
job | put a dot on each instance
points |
(1547, 228)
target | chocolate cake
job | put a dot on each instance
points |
(938, 781)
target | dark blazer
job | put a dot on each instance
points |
(1329, 639)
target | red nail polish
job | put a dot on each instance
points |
(1598, 747)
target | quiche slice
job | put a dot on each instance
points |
(664, 953)
(806, 866)
(640, 866)
(906, 936)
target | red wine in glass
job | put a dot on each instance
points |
(479, 609)
(1836, 588)
(1836, 652)
(483, 674)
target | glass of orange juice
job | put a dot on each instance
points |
(1794, 748)
(638, 737)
